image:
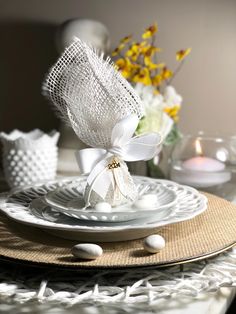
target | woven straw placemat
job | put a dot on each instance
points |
(208, 234)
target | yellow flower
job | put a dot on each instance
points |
(116, 51)
(160, 65)
(173, 112)
(156, 80)
(148, 53)
(133, 53)
(153, 66)
(181, 54)
(148, 50)
(150, 31)
(142, 76)
(126, 39)
(134, 50)
(166, 73)
(125, 67)
(156, 92)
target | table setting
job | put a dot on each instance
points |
(108, 237)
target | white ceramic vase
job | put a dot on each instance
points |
(29, 157)
(92, 32)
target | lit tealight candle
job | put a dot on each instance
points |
(201, 163)
(201, 171)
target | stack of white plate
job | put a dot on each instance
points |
(58, 207)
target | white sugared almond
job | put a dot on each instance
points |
(151, 198)
(103, 207)
(141, 204)
(87, 251)
(154, 243)
(146, 201)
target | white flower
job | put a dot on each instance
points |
(155, 119)
(171, 97)
(149, 99)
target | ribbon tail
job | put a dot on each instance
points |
(88, 158)
(100, 171)
(98, 181)
(143, 147)
(124, 130)
(125, 182)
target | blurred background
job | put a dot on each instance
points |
(206, 83)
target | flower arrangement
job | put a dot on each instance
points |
(139, 64)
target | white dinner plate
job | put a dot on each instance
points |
(69, 201)
(17, 207)
(41, 209)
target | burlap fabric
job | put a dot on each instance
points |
(206, 235)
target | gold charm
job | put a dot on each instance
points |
(113, 165)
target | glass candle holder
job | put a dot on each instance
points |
(207, 163)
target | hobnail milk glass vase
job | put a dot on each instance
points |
(29, 157)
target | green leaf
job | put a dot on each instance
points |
(173, 136)
(155, 171)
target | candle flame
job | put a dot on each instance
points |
(198, 147)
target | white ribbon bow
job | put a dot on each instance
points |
(95, 160)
